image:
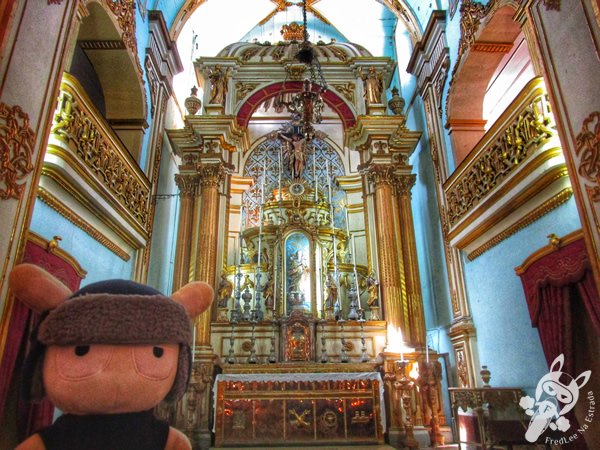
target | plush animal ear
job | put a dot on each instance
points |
(36, 288)
(195, 297)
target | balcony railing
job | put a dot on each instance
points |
(526, 125)
(94, 150)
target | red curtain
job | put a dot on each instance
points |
(549, 285)
(30, 416)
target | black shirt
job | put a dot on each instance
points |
(129, 431)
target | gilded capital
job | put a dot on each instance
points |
(211, 174)
(187, 184)
(404, 183)
(381, 174)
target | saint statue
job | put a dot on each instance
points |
(373, 85)
(224, 291)
(268, 293)
(332, 292)
(218, 81)
(296, 272)
(373, 290)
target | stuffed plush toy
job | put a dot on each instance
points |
(106, 356)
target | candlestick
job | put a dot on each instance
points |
(355, 272)
(347, 220)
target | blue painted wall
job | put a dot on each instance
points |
(164, 236)
(99, 261)
(507, 343)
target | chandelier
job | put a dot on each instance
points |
(306, 106)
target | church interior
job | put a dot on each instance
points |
(396, 202)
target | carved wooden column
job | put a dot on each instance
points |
(210, 176)
(188, 184)
(394, 309)
(414, 297)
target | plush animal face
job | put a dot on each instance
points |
(112, 347)
(101, 378)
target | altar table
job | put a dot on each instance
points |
(298, 408)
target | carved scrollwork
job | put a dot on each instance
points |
(471, 14)
(124, 11)
(84, 135)
(530, 128)
(243, 89)
(17, 140)
(588, 151)
(347, 90)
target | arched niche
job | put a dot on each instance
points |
(488, 73)
(109, 73)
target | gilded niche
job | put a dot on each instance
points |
(17, 140)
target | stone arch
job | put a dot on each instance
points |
(110, 74)
(479, 62)
(334, 101)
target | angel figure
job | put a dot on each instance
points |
(373, 85)
(218, 80)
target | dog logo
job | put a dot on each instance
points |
(556, 394)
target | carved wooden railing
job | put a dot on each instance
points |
(524, 127)
(91, 143)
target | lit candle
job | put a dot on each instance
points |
(427, 353)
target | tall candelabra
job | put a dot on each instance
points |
(344, 354)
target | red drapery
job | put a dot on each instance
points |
(30, 416)
(549, 283)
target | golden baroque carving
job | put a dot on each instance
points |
(124, 11)
(381, 174)
(347, 90)
(211, 174)
(80, 130)
(187, 184)
(588, 151)
(404, 183)
(17, 140)
(529, 129)
(471, 14)
(243, 89)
